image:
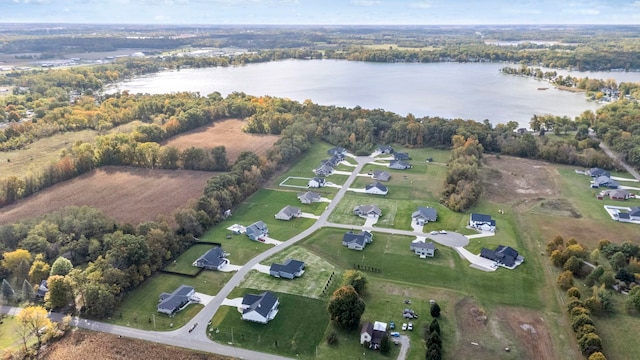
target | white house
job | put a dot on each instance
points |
(316, 182)
(482, 222)
(423, 249)
(309, 197)
(367, 211)
(372, 334)
(288, 212)
(376, 188)
(260, 308)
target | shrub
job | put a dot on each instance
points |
(435, 310)
(579, 310)
(597, 356)
(434, 326)
(565, 280)
(579, 321)
(584, 330)
(574, 292)
(590, 343)
(573, 302)
(332, 339)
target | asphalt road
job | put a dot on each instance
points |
(198, 339)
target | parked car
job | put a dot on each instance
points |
(395, 334)
(404, 326)
(443, 232)
(193, 327)
(410, 327)
(409, 314)
(392, 325)
(434, 232)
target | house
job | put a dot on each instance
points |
(323, 170)
(482, 222)
(260, 308)
(381, 175)
(604, 181)
(316, 182)
(289, 269)
(288, 212)
(401, 156)
(503, 256)
(257, 230)
(176, 301)
(634, 213)
(384, 149)
(376, 188)
(423, 249)
(367, 211)
(372, 334)
(424, 214)
(399, 165)
(358, 241)
(334, 160)
(337, 151)
(309, 197)
(618, 194)
(43, 288)
(214, 259)
(597, 172)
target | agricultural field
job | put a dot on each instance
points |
(227, 133)
(128, 195)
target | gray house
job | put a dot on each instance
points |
(384, 149)
(288, 212)
(604, 181)
(367, 211)
(401, 156)
(381, 175)
(376, 188)
(260, 308)
(503, 255)
(309, 197)
(323, 170)
(176, 301)
(358, 241)
(399, 165)
(289, 269)
(43, 288)
(597, 172)
(214, 259)
(257, 230)
(424, 214)
(423, 249)
(337, 151)
(316, 182)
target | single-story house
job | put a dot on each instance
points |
(503, 255)
(257, 230)
(381, 175)
(309, 197)
(176, 301)
(358, 241)
(423, 249)
(401, 156)
(597, 172)
(384, 149)
(214, 259)
(604, 181)
(289, 269)
(288, 212)
(334, 160)
(619, 194)
(632, 215)
(43, 288)
(376, 188)
(367, 211)
(424, 214)
(260, 308)
(399, 165)
(337, 151)
(323, 170)
(316, 182)
(482, 222)
(372, 334)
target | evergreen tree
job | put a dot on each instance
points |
(435, 310)
(27, 291)
(7, 291)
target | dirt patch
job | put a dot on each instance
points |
(227, 133)
(507, 179)
(561, 207)
(82, 344)
(130, 195)
(505, 333)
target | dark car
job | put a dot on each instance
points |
(193, 327)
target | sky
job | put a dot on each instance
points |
(322, 12)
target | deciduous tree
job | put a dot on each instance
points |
(32, 320)
(355, 278)
(62, 266)
(346, 307)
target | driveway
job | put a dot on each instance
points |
(476, 261)
(230, 268)
(405, 343)
(309, 216)
(204, 298)
(235, 302)
(370, 221)
(261, 268)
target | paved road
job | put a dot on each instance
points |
(198, 339)
(617, 159)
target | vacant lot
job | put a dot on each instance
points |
(81, 344)
(129, 195)
(227, 133)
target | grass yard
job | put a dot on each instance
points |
(9, 338)
(183, 264)
(310, 284)
(295, 331)
(309, 161)
(139, 306)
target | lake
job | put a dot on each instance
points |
(474, 91)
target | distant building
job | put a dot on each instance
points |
(288, 212)
(424, 214)
(260, 308)
(357, 241)
(289, 269)
(376, 188)
(176, 301)
(423, 249)
(257, 230)
(482, 222)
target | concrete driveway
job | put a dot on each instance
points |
(405, 343)
(261, 268)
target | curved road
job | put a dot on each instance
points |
(198, 339)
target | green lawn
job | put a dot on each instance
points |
(183, 264)
(310, 284)
(295, 332)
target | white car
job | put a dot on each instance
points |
(434, 232)
(410, 327)
(442, 232)
(404, 326)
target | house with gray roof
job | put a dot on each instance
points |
(316, 182)
(323, 170)
(288, 212)
(424, 214)
(376, 188)
(618, 194)
(597, 172)
(381, 175)
(260, 308)
(337, 151)
(604, 181)
(43, 289)
(367, 211)
(214, 259)
(257, 230)
(632, 215)
(384, 149)
(399, 165)
(423, 249)
(309, 197)
(289, 269)
(504, 256)
(372, 334)
(401, 156)
(172, 303)
(482, 222)
(357, 241)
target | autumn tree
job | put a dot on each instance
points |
(12, 259)
(39, 270)
(59, 292)
(62, 266)
(31, 320)
(355, 278)
(346, 307)
(565, 280)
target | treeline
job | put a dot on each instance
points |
(462, 186)
(618, 125)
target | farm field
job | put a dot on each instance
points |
(128, 195)
(227, 133)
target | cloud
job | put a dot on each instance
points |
(365, 2)
(420, 5)
(635, 4)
